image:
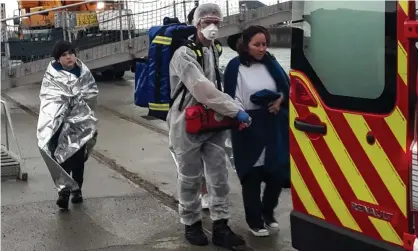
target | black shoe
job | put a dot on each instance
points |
(224, 237)
(259, 232)
(271, 223)
(77, 197)
(63, 198)
(195, 235)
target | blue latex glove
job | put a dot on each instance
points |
(243, 117)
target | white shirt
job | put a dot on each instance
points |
(251, 80)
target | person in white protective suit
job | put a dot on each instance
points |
(202, 153)
(204, 196)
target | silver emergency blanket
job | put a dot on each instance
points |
(67, 109)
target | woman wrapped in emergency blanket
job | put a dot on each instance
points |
(67, 126)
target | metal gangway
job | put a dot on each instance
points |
(11, 160)
(114, 37)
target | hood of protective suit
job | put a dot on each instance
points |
(67, 104)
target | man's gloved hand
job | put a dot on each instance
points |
(243, 117)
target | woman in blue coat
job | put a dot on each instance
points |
(261, 152)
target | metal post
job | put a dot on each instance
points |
(227, 9)
(7, 47)
(174, 8)
(185, 10)
(64, 24)
(5, 38)
(129, 16)
(121, 28)
(242, 11)
(6, 130)
(67, 20)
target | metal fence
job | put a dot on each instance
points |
(31, 37)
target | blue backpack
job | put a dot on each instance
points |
(152, 83)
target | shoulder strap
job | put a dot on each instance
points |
(183, 90)
(218, 74)
(218, 46)
(199, 57)
(197, 50)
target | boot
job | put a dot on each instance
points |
(224, 237)
(195, 235)
(77, 197)
(63, 198)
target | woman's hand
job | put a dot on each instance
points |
(274, 107)
(242, 126)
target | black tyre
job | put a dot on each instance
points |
(119, 74)
(107, 74)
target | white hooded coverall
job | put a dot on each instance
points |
(192, 150)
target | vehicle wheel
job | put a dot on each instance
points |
(107, 74)
(119, 74)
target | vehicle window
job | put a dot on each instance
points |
(350, 48)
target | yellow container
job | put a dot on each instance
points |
(86, 18)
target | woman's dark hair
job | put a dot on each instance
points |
(233, 40)
(190, 16)
(61, 47)
(244, 56)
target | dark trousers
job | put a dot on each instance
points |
(75, 166)
(257, 210)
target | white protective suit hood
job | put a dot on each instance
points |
(207, 11)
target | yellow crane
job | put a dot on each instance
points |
(85, 12)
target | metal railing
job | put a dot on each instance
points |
(27, 41)
(11, 162)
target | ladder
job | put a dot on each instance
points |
(10, 162)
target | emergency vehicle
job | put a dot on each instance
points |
(353, 140)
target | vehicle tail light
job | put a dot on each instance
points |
(300, 94)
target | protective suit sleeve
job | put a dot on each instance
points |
(184, 64)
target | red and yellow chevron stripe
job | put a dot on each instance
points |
(331, 172)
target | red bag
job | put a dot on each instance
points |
(200, 119)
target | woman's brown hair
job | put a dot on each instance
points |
(244, 56)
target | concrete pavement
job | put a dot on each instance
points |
(116, 214)
(136, 148)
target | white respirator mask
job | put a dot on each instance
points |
(210, 32)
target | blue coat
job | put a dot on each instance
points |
(266, 130)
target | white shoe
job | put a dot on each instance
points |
(273, 226)
(205, 201)
(260, 232)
